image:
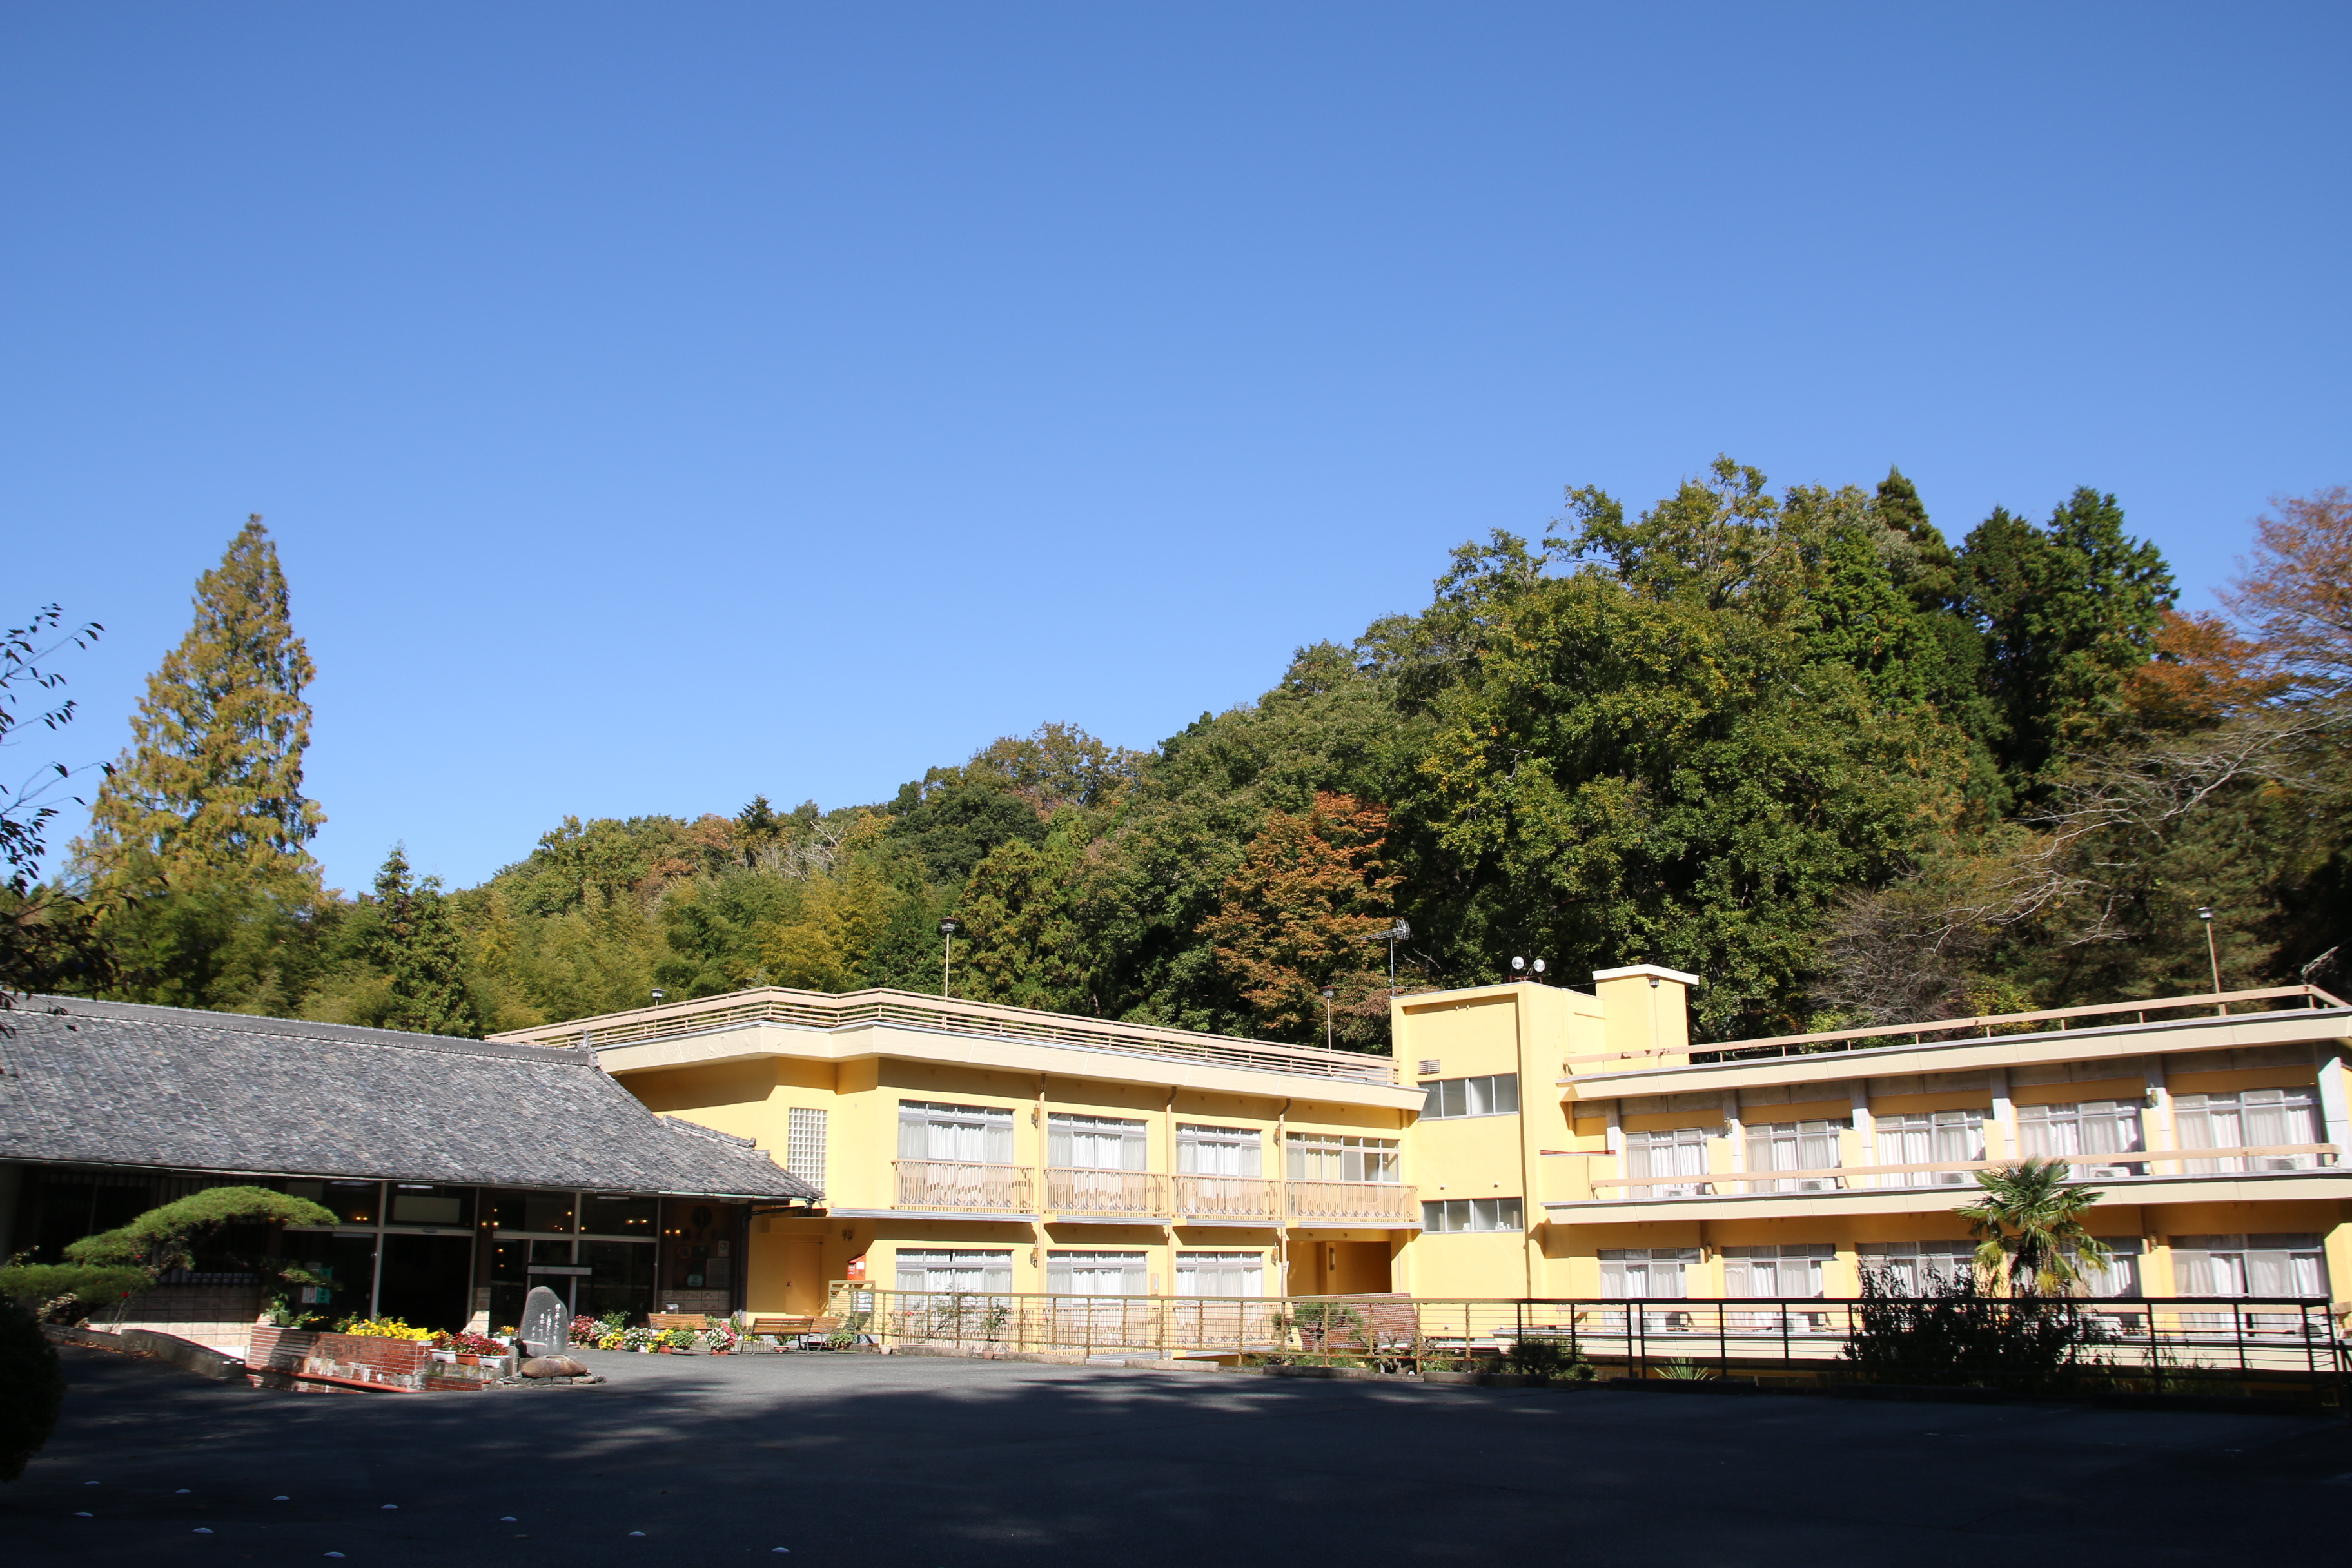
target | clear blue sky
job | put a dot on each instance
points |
(656, 405)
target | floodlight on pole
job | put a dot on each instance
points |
(1394, 935)
(1519, 968)
(947, 929)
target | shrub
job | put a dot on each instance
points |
(165, 1238)
(1954, 1334)
(56, 1289)
(32, 1390)
(1548, 1359)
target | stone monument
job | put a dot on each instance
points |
(546, 1326)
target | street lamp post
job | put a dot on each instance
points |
(1329, 992)
(947, 929)
(2212, 956)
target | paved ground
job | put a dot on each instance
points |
(926, 1463)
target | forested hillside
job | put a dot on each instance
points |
(1802, 744)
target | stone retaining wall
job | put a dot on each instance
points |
(218, 1316)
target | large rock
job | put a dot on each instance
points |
(553, 1366)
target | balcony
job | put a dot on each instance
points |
(960, 1184)
(1080, 1191)
(1352, 1203)
(1228, 1198)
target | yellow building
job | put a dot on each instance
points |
(1525, 1141)
(961, 1146)
(1781, 1168)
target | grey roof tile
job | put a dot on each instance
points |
(120, 1084)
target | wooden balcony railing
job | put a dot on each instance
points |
(1079, 1191)
(959, 1185)
(1352, 1200)
(1228, 1197)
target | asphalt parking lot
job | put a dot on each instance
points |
(935, 1463)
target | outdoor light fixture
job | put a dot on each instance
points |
(657, 997)
(1394, 935)
(947, 929)
(1516, 965)
(1329, 992)
(1539, 969)
(2212, 957)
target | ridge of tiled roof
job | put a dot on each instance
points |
(110, 1083)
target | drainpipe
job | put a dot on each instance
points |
(1527, 1207)
(1282, 1190)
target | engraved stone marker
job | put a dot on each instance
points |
(546, 1325)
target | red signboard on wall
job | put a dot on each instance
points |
(856, 1267)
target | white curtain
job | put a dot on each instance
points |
(1218, 1151)
(1645, 1274)
(1323, 1157)
(1679, 1153)
(1794, 1146)
(972, 1134)
(1097, 1143)
(1220, 1274)
(972, 1271)
(1930, 1138)
(1097, 1273)
(1792, 1270)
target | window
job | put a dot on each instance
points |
(804, 1145)
(2240, 1266)
(1497, 1095)
(971, 1134)
(1095, 1143)
(1909, 1267)
(1795, 1146)
(1220, 1274)
(1789, 1271)
(1472, 1214)
(1327, 1157)
(1679, 1153)
(1645, 1273)
(2119, 1277)
(940, 1269)
(1097, 1273)
(1930, 1138)
(2095, 1127)
(1218, 1151)
(2251, 1119)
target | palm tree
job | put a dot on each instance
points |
(2028, 1223)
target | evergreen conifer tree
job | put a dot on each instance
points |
(421, 951)
(211, 791)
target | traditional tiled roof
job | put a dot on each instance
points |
(116, 1084)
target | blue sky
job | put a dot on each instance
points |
(658, 404)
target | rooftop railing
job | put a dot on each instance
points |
(1944, 1030)
(823, 1010)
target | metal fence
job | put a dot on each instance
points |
(2168, 1344)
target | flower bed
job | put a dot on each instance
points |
(294, 1358)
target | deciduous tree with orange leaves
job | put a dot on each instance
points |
(1295, 918)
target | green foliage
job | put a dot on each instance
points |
(32, 1390)
(48, 936)
(2029, 1226)
(214, 779)
(165, 1238)
(1796, 741)
(1953, 1333)
(91, 1286)
(1550, 1358)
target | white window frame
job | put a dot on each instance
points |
(1091, 1272)
(1788, 1271)
(2087, 1134)
(1244, 1270)
(1661, 1273)
(1937, 1138)
(1452, 1099)
(1794, 1146)
(1207, 1151)
(1334, 1157)
(958, 1270)
(955, 1135)
(1097, 1142)
(1449, 1216)
(2247, 1119)
(1673, 1153)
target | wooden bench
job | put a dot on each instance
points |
(695, 1321)
(781, 1327)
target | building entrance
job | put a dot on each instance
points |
(428, 1280)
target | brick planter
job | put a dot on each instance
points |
(291, 1358)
